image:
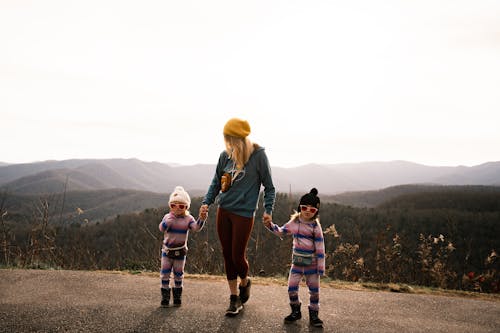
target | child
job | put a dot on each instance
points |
(308, 255)
(176, 225)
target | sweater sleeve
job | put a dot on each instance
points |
(215, 185)
(319, 245)
(277, 230)
(267, 182)
(164, 223)
(196, 225)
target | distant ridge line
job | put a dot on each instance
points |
(132, 173)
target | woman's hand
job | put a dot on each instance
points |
(267, 219)
(203, 212)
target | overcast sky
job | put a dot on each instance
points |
(319, 81)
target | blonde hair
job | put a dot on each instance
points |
(239, 150)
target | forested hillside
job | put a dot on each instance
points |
(403, 193)
(446, 239)
(463, 198)
(80, 206)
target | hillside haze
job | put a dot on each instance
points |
(90, 174)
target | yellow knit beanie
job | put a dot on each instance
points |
(237, 127)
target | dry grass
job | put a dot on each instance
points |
(344, 285)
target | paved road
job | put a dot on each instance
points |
(73, 301)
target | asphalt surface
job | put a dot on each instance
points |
(82, 301)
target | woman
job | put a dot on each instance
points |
(241, 170)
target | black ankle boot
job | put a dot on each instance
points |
(177, 292)
(314, 320)
(235, 306)
(245, 292)
(165, 297)
(295, 315)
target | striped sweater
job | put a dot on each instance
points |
(176, 229)
(307, 239)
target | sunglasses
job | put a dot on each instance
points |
(180, 206)
(305, 208)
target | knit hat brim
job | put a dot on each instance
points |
(180, 195)
(237, 127)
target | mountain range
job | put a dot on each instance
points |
(99, 174)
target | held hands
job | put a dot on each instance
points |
(203, 212)
(267, 219)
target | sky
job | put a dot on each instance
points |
(319, 81)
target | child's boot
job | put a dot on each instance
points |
(165, 297)
(177, 292)
(295, 315)
(314, 320)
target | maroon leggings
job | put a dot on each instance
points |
(234, 232)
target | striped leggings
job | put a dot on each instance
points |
(312, 282)
(167, 266)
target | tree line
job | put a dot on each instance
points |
(436, 245)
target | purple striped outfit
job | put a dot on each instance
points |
(307, 240)
(176, 233)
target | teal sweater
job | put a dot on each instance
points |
(241, 199)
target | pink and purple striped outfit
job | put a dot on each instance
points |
(308, 241)
(176, 232)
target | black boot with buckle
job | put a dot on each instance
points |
(165, 297)
(314, 320)
(177, 292)
(295, 315)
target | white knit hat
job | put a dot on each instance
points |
(180, 195)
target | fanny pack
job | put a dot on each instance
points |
(176, 253)
(300, 259)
